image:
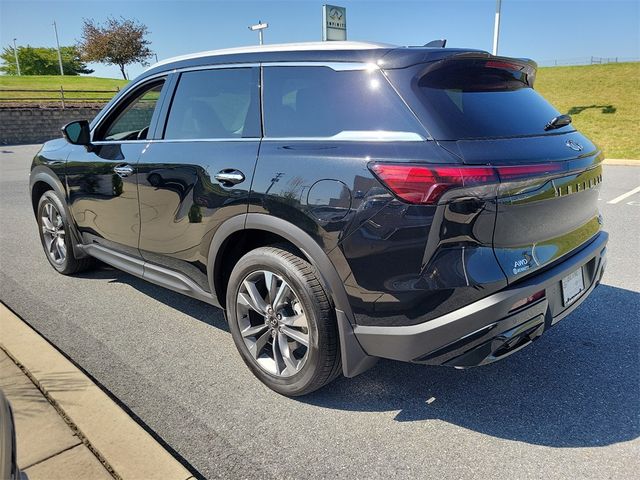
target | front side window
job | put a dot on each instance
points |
(219, 103)
(322, 102)
(133, 120)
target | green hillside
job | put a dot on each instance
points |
(54, 82)
(604, 100)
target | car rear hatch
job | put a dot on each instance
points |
(545, 174)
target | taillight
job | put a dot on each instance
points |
(516, 172)
(427, 185)
(503, 65)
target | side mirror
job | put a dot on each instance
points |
(77, 133)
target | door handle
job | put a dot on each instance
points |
(228, 177)
(123, 170)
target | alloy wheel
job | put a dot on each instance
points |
(53, 233)
(272, 323)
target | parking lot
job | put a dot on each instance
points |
(566, 407)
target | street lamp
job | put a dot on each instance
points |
(15, 52)
(259, 27)
(55, 29)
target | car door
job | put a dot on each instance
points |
(199, 173)
(102, 180)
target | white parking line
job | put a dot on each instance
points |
(625, 195)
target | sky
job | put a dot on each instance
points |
(567, 30)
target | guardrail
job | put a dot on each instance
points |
(62, 96)
(585, 61)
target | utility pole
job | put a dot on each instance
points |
(496, 27)
(259, 27)
(15, 52)
(55, 29)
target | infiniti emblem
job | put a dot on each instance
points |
(574, 145)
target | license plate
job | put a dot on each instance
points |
(572, 287)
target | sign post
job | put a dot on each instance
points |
(334, 23)
(259, 27)
(496, 28)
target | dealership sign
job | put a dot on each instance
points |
(334, 23)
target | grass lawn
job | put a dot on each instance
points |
(603, 100)
(54, 82)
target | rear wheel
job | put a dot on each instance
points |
(54, 235)
(282, 322)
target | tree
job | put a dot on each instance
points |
(118, 42)
(43, 61)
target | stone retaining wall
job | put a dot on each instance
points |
(37, 125)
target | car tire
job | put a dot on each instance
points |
(270, 327)
(55, 237)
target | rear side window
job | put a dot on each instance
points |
(483, 99)
(221, 103)
(322, 102)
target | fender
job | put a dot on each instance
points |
(41, 173)
(354, 359)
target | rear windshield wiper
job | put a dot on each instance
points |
(558, 122)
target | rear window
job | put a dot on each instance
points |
(321, 102)
(483, 99)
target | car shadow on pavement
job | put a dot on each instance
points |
(578, 386)
(194, 308)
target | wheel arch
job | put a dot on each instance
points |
(354, 358)
(42, 180)
(294, 235)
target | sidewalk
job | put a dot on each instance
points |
(66, 426)
(47, 447)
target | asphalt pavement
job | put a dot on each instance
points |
(565, 407)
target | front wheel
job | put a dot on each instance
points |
(282, 322)
(54, 235)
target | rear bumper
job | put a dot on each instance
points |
(489, 329)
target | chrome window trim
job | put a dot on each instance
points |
(335, 66)
(226, 139)
(221, 66)
(353, 136)
(119, 142)
(357, 136)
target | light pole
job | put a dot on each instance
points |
(259, 27)
(15, 52)
(55, 29)
(496, 27)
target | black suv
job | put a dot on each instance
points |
(340, 201)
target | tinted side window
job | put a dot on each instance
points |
(220, 103)
(131, 122)
(321, 102)
(483, 99)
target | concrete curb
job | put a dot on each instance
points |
(622, 161)
(123, 446)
